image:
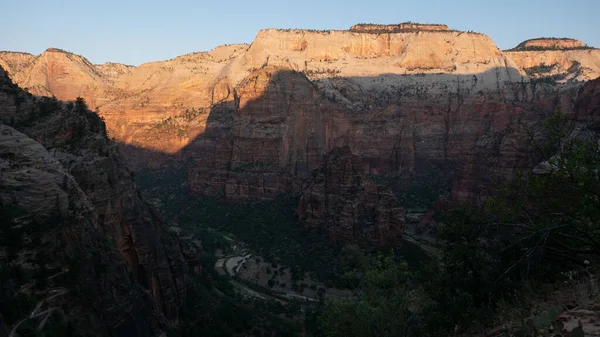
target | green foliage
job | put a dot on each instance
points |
(45, 107)
(542, 68)
(552, 79)
(191, 114)
(421, 189)
(205, 314)
(379, 305)
(270, 228)
(559, 208)
(528, 233)
(180, 121)
(96, 124)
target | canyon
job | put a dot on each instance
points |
(256, 120)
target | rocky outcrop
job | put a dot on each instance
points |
(556, 61)
(402, 27)
(549, 43)
(558, 66)
(15, 62)
(340, 201)
(123, 275)
(586, 109)
(112, 71)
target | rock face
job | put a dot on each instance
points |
(403, 27)
(555, 60)
(349, 207)
(15, 62)
(72, 189)
(559, 66)
(256, 120)
(587, 104)
(549, 43)
(133, 100)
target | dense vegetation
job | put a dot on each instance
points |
(269, 228)
(419, 190)
(493, 255)
(214, 308)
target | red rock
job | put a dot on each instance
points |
(340, 201)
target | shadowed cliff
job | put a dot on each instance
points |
(432, 134)
(75, 232)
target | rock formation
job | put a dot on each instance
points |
(256, 120)
(135, 99)
(549, 43)
(73, 194)
(340, 201)
(556, 60)
(559, 66)
(399, 28)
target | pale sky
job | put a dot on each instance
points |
(138, 31)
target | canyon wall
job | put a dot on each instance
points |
(257, 119)
(349, 208)
(82, 215)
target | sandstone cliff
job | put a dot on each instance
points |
(133, 99)
(79, 204)
(15, 62)
(549, 43)
(340, 201)
(559, 66)
(257, 119)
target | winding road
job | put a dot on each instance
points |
(231, 265)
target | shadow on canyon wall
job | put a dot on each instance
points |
(266, 136)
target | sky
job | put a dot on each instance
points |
(138, 31)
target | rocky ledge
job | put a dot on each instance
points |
(549, 44)
(397, 28)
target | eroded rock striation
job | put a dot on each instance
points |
(340, 201)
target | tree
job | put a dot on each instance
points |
(545, 222)
(380, 300)
(555, 208)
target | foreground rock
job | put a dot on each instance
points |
(66, 186)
